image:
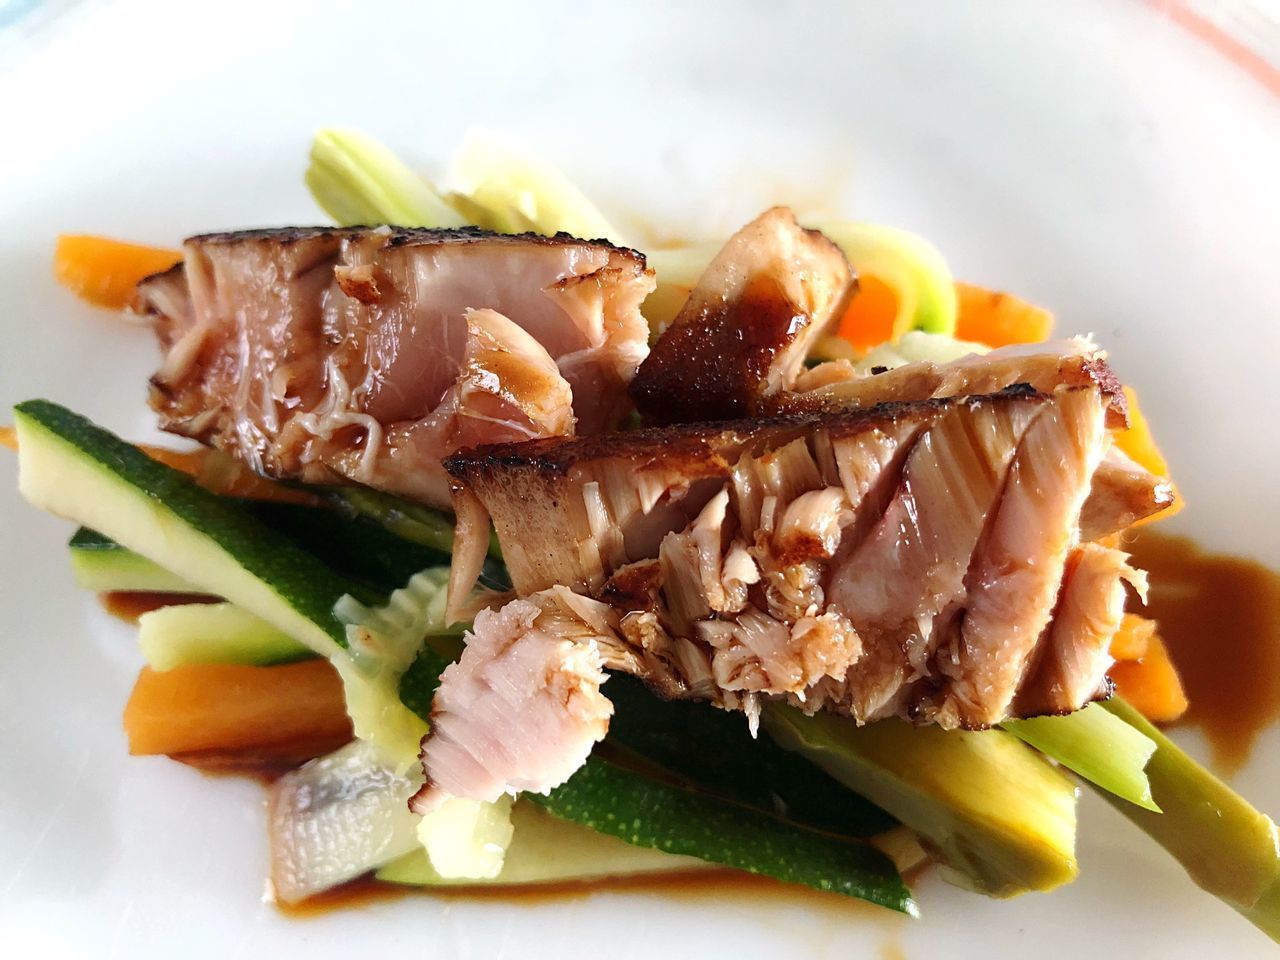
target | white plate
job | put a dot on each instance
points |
(1095, 157)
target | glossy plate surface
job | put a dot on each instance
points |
(1098, 158)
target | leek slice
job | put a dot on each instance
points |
(916, 345)
(1230, 849)
(909, 264)
(358, 180)
(1097, 745)
(511, 191)
(382, 643)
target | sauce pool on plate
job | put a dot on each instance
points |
(1219, 616)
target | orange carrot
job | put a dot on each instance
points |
(869, 318)
(1151, 684)
(104, 272)
(1133, 638)
(9, 438)
(999, 319)
(1139, 444)
(229, 707)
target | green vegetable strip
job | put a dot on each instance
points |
(58, 447)
(357, 180)
(102, 565)
(213, 633)
(357, 548)
(1098, 746)
(1229, 848)
(714, 751)
(646, 813)
(997, 813)
(410, 521)
(73, 467)
(375, 560)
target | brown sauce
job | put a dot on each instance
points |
(129, 605)
(1219, 616)
(711, 887)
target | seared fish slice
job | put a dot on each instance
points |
(327, 355)
(912, 560)
(747, 326)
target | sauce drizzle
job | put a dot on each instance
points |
(1219, 616)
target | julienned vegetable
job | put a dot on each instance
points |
(999, 319)
(101, 565)
(546, 849)
(1098, 746)
(999, 816)
(357, 180)
(186, 633)
(909, 265)
(76, 469)
(285, 712)
(105, 272)
(649, 813)
(1229, 848)
(72, 468)
(509, 191)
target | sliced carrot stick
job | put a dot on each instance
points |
(1151, 685)
(228, 707)
(1133, 638)
(869, 318)
(1140, 445)
(9, 438)
(999, 319)
(1137, 441)
(104, 272)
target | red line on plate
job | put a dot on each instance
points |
(1208, 32)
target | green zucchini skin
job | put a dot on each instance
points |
(76, 469)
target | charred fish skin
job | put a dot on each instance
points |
(301, 350)
(746, 328)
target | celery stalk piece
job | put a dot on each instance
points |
(358, 180)
(510, 191)
(1098, 746)
(909, 264)
(997, 814)
(1230, 849)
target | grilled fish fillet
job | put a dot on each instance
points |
(332, 355)
(916, 560)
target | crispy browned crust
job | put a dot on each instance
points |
(405, 237)
(1071, 371)
(714, 361)
(696, 443)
